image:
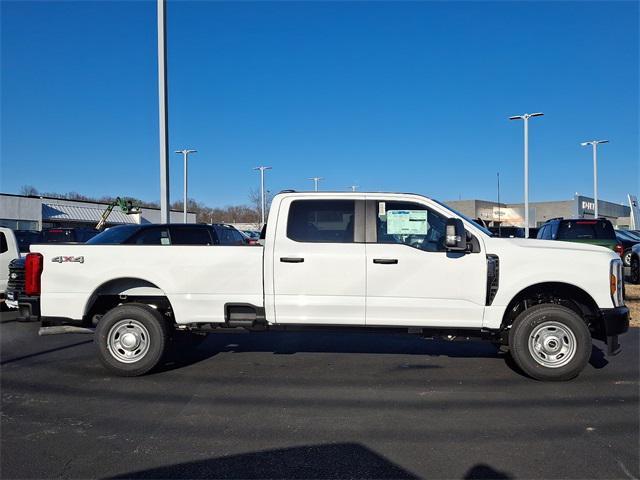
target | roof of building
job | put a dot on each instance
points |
(81, 213)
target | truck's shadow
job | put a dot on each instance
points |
(288, 343)
(339, 460)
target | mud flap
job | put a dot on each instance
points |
(613, 346)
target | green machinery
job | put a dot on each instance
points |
(125, 205)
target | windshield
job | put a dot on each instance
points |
(114, 235)
(462, 215)
(57, 235)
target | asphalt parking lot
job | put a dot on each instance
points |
(312, 405)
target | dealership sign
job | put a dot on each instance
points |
(588, 207)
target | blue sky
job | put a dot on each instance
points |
(389, 96)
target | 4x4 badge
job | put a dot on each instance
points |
(67, 259)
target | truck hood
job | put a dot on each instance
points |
(550, 245)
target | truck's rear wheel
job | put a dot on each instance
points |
(550, 342)
(131, 339)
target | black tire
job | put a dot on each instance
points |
(635, 269)
(146, 324)
(551, 319)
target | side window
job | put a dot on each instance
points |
(190, 236)
(152, 236)
(410, 224)
(553, 230)
(3, 243)
(321, 221)
(226, 235)
(239, 239)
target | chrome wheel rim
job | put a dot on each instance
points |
(627, 259)
(128, 341)
(552, 344)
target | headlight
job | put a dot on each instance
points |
(616, 285)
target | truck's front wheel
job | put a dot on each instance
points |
(131, 339)
(550, 342)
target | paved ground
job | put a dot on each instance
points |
(312, 406)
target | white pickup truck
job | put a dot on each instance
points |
(8, 251)
(374, 261)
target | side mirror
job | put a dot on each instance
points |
(455, 236)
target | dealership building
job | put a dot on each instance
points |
(512, 214)
(36, 213)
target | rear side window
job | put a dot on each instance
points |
(190, 236)
(3, 243)
(586, 230)
(321, 221)
(239, 238)
(229, 235)
(152, 236)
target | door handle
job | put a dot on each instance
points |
(291, 259)
(386, 261)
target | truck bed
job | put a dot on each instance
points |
(197, 280)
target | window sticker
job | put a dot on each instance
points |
(382, 209)
(164, 241)
(407, 222)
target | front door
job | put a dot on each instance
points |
(411, 279)
(319, 262)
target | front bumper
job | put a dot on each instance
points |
(615, 321)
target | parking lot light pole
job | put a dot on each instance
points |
(354, 187)
(316, 180)
(185, 154)
(262, 169)
(594, 145)
(526, 118)
(163, 112)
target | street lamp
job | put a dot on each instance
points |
(185, 154)
(526, 118)
(316, 180)
(594, 144)
(163, 129)
(354, 187)
(262, 169)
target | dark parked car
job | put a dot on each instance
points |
(170, 234)
(512, 232)
(597, 231)
(628, 240)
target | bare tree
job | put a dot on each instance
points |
(256, 201)
(28, 190)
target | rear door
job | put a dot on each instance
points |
(319, 255)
